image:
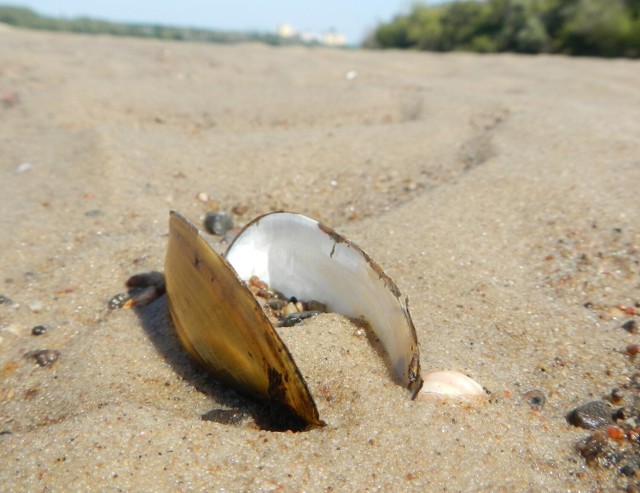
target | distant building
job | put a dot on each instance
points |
(329, 38)
(334, 38)
(286, 31)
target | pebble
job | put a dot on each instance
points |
(46, 357)
(631, 326)
(535, 398)
(38, 330)
(633, 349)
(93, 213)
(218, 223)
(296, 318)
(290, 309)
(5, 300)
(276, 304)
(616, 396)
(628, 470)
(240, 209)
(316, 306)
(591, 415)
(118, 301)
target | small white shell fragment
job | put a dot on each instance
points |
(450, 384)
(23, 168)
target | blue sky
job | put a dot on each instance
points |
(354, 19)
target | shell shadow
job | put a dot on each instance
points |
(232, 407)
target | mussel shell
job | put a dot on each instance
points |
(301, 257)
(221, 325)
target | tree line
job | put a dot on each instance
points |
(27, 18)
(606, 28)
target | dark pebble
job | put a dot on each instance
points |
(4, 300)
(616, 396)
(93, 213)
(316, 306)
(620, 414)
(631, 326)
(276, 304)
(218, 223)
(118, 301)
(591, 415)
(46, 357)
(535, 398)
(628, 470)
(38, 330)
(296, 318)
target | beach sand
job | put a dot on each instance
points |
(499, 192)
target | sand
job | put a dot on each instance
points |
(499, 192)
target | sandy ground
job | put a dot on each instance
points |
(500, 193)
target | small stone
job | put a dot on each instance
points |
(615, 432)
(276, 304)
(616, 396)
(316, 306)
(631, 326)
(535, 398)
(218, 223)
(118, 301)
(296, 318)
(46, 357)
(628, 470)
(591, 415)
(290, 309)
(203, 197)
(93, 213)
(633, 349)
(38, 330)
(240, 209)
(5, 300)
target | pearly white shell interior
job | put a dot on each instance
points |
(298, 257)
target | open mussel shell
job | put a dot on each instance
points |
(301, 257)
(222, 326)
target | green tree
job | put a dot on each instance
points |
(596, 27)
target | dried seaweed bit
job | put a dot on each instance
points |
(591, 415)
